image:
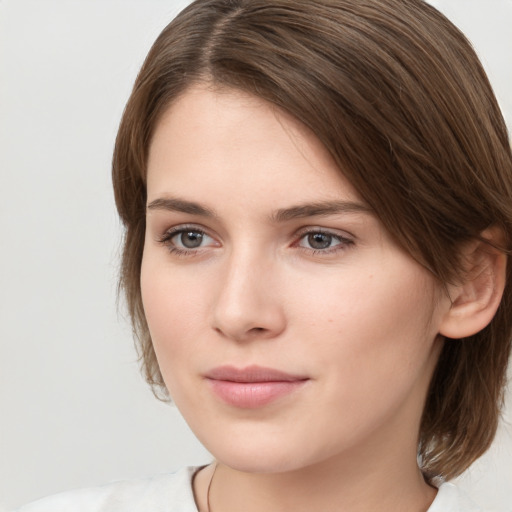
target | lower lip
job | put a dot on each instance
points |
(250, 395)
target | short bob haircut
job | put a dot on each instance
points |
(397, 95)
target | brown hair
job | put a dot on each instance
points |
(397, 95)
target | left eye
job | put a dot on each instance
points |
(319, 241)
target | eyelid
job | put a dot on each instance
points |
(342, 234)
(180, 228)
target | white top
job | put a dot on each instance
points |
(173, 493)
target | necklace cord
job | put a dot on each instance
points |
(208, 509)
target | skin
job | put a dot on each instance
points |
(359, 319)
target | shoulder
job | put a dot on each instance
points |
(163, 493)
(451, 499)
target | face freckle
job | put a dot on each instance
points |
(355, 317)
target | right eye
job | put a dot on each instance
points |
(184, 240)
(189, 239)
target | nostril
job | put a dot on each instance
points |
(257, 330)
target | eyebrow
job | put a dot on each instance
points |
(316, 209)
(180, 205)
(323, 208)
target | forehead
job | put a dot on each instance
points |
(235, 144)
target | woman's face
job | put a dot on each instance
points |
(288, 326)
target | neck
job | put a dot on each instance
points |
(332, 485)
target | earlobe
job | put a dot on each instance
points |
(475, 301)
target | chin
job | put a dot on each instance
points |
(259, 463)
(274, 455)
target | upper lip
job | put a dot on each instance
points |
(252, 373)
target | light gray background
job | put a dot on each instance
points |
(74, 410)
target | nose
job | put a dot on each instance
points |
(247, 304)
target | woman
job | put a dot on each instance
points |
(316, 198)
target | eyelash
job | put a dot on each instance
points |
(344, 242)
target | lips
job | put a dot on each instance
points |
(252, 386)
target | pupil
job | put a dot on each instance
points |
(191, 239)
(319, 240)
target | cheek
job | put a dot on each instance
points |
(372, 329)
(371, 342)
(369, 306)
(173, 310)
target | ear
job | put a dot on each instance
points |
(475, 301)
